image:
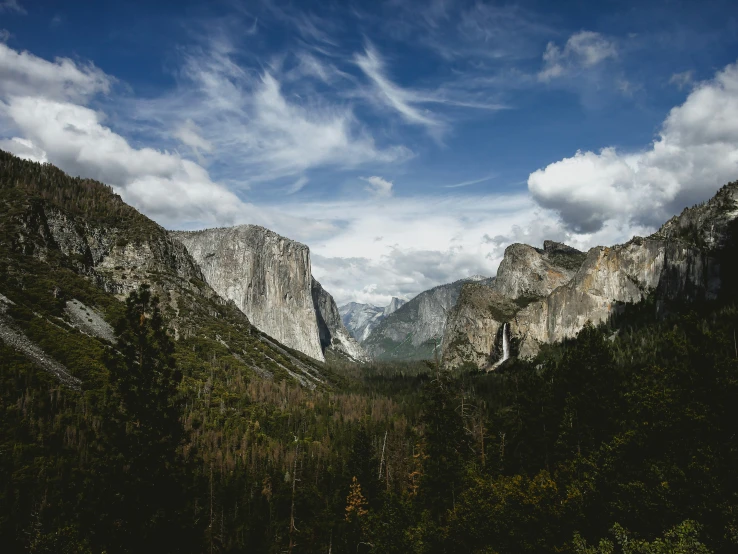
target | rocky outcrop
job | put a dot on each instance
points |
(361, 319)
(333, 334)
(690, 258)
(528, 273)
(414, 331)
(474, 327)
(394, 305)
(266, 275)
(612, 277)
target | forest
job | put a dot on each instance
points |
(621, 440)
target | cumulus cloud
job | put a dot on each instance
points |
(23, 74)
(24, 148)
(381, 188)
(696, 152)
(163, 184)
(41, 102)
(583, 50)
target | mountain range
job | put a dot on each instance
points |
(259, 279)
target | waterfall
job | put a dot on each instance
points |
(505, 347)
(505, 343)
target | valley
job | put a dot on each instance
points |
(201, 391)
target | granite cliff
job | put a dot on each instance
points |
(269, 278)
(361, 319)
(333, 334)
(557, 290)
(266, 275)
(526, 275)
(414, 330)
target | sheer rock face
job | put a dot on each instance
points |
(473, 328)
(266, 275)
(414, 330)
(331, 330)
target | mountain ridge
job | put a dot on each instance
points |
(680, 262)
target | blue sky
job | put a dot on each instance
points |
(407, 143)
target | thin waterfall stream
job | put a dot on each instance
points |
(505, 347)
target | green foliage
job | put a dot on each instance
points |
(682, 539)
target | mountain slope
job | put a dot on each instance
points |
(413, 330)
(67, 242)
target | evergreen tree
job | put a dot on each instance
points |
(144, 433)
(446, 446)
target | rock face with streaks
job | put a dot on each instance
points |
(473, 333)
(333, 334)
(414, 331)
(526, 274)
(529, 273)
(557, 290)
(361, 319)
(267, 275)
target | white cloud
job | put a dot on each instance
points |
(23, 74)
(695, 153)
(4, 35)
(298, 185)
(425, 241)
(470, 182)
(163, 185)
(381, 188)
(189, 134)
(24, 148)
(683, 79)
(393, 96)
(583, 50)
(257, 128)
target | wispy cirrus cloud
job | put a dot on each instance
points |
(12, 6)
(683, 79)
(403, 101)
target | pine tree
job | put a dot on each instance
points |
(445, 446)
(144, 433)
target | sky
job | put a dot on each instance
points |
(406, 142)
